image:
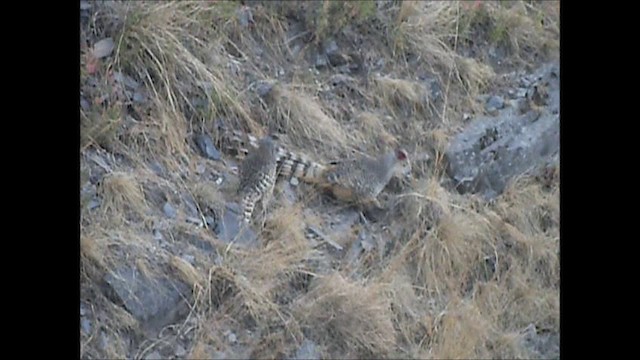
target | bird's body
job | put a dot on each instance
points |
(257, 176)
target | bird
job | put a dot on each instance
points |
(357, 181)
(257, 176)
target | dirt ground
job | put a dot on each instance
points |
(168, 272)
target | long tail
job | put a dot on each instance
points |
(300, 166)
(289, 164)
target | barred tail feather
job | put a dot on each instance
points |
(248, 205)
(299, 166)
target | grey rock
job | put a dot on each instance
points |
(432, 85)
(232, 338)
(520, 105)
(157, 168)
(521, 92)
(235, 207)
(338, 60)
(94, 203)
(220, 355)
(125, 80)
(245, 16)
(180, 351)
(104, 340)
(493, 150)
(88, 189)
(264, 88)
(83, 310)
(204, 246)
(308, 350)
(207, 148)
(288, 192)
(331, 48)
(157, 235)
(154, 356)
(169, 211)
(152, 299)
(189, 258)
(541, 345)
(321, 61)
(232, 229)
(84, 104)
(494, 103)
(139, 97)
(85, 324)
(103, 48)
(379, 65)
(85, 5)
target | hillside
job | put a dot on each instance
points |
(463, 262)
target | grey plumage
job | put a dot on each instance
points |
(257, 176)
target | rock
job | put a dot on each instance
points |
(180, 351)
(207, 148)
(85, 324)
(432, 86)
(125, 80)
(84, 104)
(287, 191)
(157, 168)
(494, 103)
(495, 149)
(231, 228)
(154, 356)
(520, 105)
(542, 345)
(190, 205)
(85, 5)
(149, 298)
(492, 150)
(263, 88)
(169, 211)
(232, 338)
(157, 235)
(104, 340)
(219, 355)
(331, 48)
(139, 97)
(94, 203)
(245, 16)
(189, 258)
(308, 350)
(321, 61)
(103, 48)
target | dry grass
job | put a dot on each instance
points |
(355, 319)
(459, 278)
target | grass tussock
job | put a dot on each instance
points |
(400, 95)
(356, 317)
(305, 120)
(122, 194)
(442, 276)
